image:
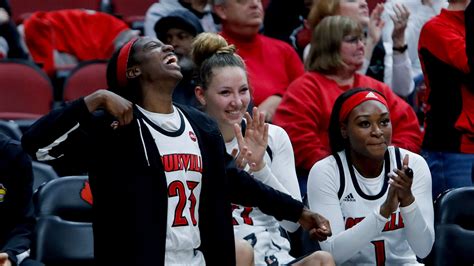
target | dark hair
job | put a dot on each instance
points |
(209, 51)
(336, 141)
(132, 90)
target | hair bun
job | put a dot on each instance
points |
(207, 44)
(229, 49)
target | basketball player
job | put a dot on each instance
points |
(157, 171)
(376, 196)
(224, 94)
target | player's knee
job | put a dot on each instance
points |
(244, 253)
(324, 258)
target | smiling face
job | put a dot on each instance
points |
(154, 61)
(227, 97)
(355, 9)
(369, 130)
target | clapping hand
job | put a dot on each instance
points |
(253, 146)
(402, 179)
(400, 22)
(376, 24)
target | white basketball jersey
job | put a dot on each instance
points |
(262, 231)
(359, 198)
(182, 162)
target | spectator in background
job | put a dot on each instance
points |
(16, 206)
(420, 13)
(271, 64)
(382, 214)
(337, 53)
(200, 8)
(383, 62)
(178, 29)
(224, 94)
(447, 58)
(10, 42)
(162, 165)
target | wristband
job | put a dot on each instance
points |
(401, 49)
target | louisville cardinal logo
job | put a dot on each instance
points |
(86, 193)
(192, 136)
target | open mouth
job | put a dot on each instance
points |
(170, 59)
(234, 114)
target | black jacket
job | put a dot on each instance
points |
(16, 208)
(130, 198)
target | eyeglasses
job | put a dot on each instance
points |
(353, 39)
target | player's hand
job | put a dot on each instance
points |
(255, 140)
(402, 179)
(240, 157)
(318, 226)
(4, 261)
(117, 106)
(391, 202)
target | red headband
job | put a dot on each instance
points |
(357, 99)
(122, 62)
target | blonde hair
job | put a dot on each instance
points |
(324, 56)
(210, 51)
(321, 9)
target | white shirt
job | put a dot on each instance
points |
(359, 231)
(182, 163)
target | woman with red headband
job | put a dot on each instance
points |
(160, 177)
(376, 196)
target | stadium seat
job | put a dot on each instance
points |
(26, 92)
(10, 129)
(42, 173)
(86, 78)
(454, 228)
(21, 9)
(63, 234)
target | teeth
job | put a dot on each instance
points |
(170, 59)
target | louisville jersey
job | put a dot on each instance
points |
(351, 202)
(362, 197)
(262, 231)
(182, 163)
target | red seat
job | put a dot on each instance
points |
(22, 8)
(26, 92)
(86, 78)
